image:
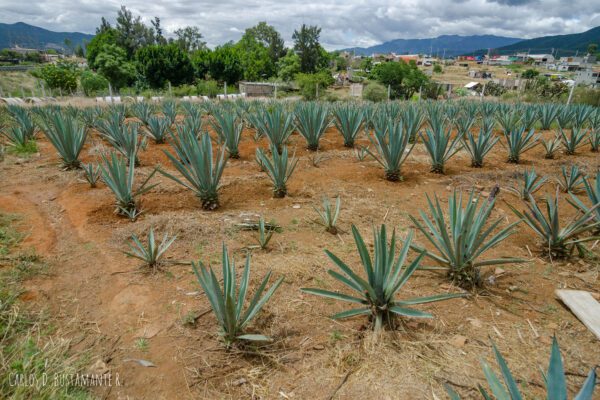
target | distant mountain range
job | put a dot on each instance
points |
(561, 45)
(454, 45)
(33, 37)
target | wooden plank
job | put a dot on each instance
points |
(584, 306)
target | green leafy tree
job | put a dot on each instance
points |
(159, 64)
(255, 59)
(132, 34)
(268, 37)
(288, 66)
(308, 83)
(225, 64)
(306, 45)
(111, 62)
(530, 73)
(92, 83)
(201, 62)
(62, 75)
(402, 78)
(105, 36)
(189, 39)
(374, 92)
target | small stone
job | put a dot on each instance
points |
(318, 347)
(296, 206)
(239, 382)
(458, 341)
(475, 322)
(513, 288)
(499, 271)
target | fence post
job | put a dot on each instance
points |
(571, 94)
(389, 91)
(317, 91)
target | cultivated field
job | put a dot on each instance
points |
(116, 311)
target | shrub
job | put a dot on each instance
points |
(307, 83)
(374, 92)
(93, 83)
(151, 253)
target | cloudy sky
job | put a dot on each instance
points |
(344, 23)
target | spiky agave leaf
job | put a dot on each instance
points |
(464, 123)
(592, 191)
(227, 302)
(479, 147)
(195, 164)
(594, 139)
(530, 183)
(547, 114)
(349, 120)
(570, 181)
(581, 115)
(463, 238)
(518, 142)
(158, 128)
(565, 116)
(440, 146)
(92, 174)
(152, 252)
(312, 119)
(23, 119)
(68, 137)
(279, 168)
(264, 233)
(508, 117)
(120, 179)
(386, 274)
(412, 118)
(142, 111)
(573, 140)
(329, 216)
(529, 117)
(229, 130)
(558, 241)
(551, 147)
(392, 147)
(169, 110)
(125, 138)
(275, 123)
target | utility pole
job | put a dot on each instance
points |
(444, 56)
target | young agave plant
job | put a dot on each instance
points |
(547, 114)
(488, 124)
(227, 302)
(152, 252)
(264, 234)
(556, 384)
(67, 136)
(349, 121)
(361, 152)
(509, 118)
(92, 174)
(518, 142)
(571, 181)
(169, 110)
(200, 174)
(530, 184)
(573, 140)
(229, 130)
(23, 119)
(581, 115)
(125, 138)
(386, 274)
(464, 238)
(18, 138)
(274, 123)
(412, 117)
(90, 115)
(565, 116)
(594, 139)
(329, 216)
(558, 242)
(391, 142)
(441, 147)
(158, 128)
(479, 147)
(312, 119)
(551, 147)
(529, 117)
(464, 123)
(142, 111)
(279, 169)
(120, 178)
(593, 194)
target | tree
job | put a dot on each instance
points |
(269, 38)
(288, 66)
(306, 45)
(402, 78)
(107, 36)
(255, 59)
(530, 73)
(111, 62)
(592, 48)
(62, 75)
(132, 34)
(93, 83)
(159, 64)
(190, 39)
(158, 38)
(225, 64)
(308, 83)
(79, 52)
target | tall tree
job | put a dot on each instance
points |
(159, 37)
(132, 34)
(111, 62)
(160, 64)
(269, 37)
(306, 45)
(189, 39)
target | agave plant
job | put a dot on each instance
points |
(529, 117)
(169, 110)
(361, 152)
(279, 169)
(227, 302)
(92, 174)
(120, 178)
(547, 114)
(581, 115)
(518, 142)
(464, 123)
(441, 147)
(312, 119)
(274, 123)
(488, 124)
(594, 139)
(593, 194)
(158, 128)
(565, 116)
(558, 242)
(462, 240)
(125, 138)
(23, 120)
(556, 384)
(195, 164)
(19, 138)
(349, 120)
(142, 111)
(67, 136)
(264, 234)
(509, 118)
(412, 118)
(479, 147)
(573, 140)
(90, 115)
(391, 143)
(329, 216)
(570, 181)
(551, 147)
(530, 184)
(229, 131)
(386, 274)
(152, 252)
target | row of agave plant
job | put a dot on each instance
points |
(459, 240)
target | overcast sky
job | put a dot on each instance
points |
(344, 23)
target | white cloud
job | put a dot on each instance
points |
(344, 24)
